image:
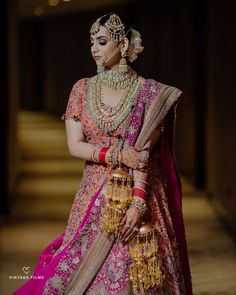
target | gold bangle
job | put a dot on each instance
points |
(93, 152)
(142, 181)
(138, 199)
(138, 203)
(139, 174)
(109, 157)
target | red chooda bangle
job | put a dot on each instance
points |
(102, 154)
(138, 192)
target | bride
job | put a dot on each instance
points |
(125, 232)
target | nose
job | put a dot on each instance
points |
(94, 48)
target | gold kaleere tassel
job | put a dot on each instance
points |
(118, 196)
(145, 269)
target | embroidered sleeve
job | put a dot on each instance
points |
(74, 105)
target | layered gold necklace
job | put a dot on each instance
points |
(108, 119)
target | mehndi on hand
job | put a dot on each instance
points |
(135, 158)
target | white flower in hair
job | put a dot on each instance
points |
(135, 46)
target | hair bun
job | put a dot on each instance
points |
(135, 45)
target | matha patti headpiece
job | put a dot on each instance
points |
(116, 31)
(95, 27)
(114, 26)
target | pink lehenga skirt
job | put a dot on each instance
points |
(85, 261)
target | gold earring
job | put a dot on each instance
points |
(101, 67)
(123, 66)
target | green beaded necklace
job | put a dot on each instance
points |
(109, 119)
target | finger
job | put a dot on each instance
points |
(143, 148)
(124, 230)
(138, 149)
(124, 220)
(130, 236)
(121, 226)
(134, 231)
(127, 227)
(129, 231)
(127, 234)
(146, 147)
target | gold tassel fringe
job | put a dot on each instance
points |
(118, 197)
(145, 269)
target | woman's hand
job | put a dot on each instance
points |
(135, 158)
(130, 223)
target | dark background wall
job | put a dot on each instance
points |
(9, 155)
(188, 44)
(221, 106)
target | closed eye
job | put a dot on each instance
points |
(103, 42)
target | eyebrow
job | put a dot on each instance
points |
(99, 37)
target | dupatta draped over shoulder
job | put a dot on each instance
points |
(72, 268)
(159, 107)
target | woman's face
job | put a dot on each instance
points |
(104, 50)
